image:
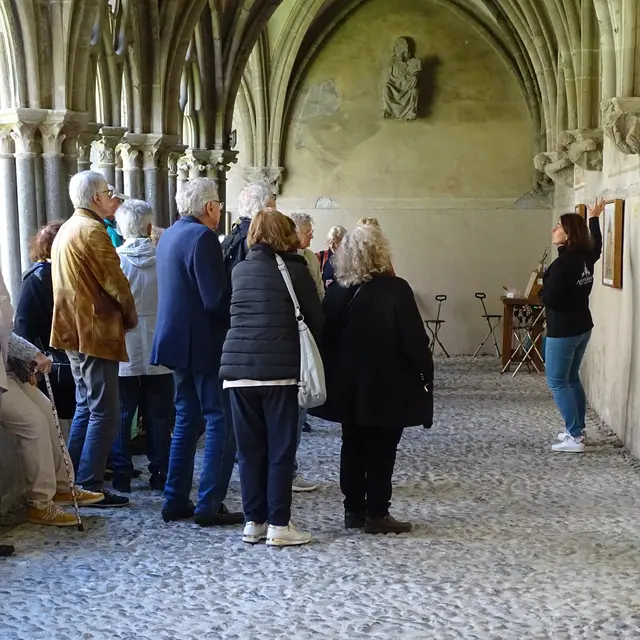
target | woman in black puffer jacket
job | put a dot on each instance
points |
(260, 366)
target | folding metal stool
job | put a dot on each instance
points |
(434, 326)
(523, 334)
(493, 321)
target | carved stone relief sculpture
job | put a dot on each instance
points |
(621, 123)
(557, 165)
(584, 148)
(400, 94)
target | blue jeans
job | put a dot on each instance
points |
(201, 405)
(302, 418)
(95, 422)
(153, 397)
(563, 359)
(265, 422)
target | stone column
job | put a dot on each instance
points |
(23, 136)
(110, 137)
(54, 175)
(222, 159)
(156, 151)
(172, 178)
(9, 222)
(131, 169)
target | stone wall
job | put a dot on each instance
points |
(612, 364)
(444, 185)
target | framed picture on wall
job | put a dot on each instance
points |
(582, 210)
(612, 243)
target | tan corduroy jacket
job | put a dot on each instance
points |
(92, 301)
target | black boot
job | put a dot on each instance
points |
(172, 514)
(157, 481)
(221, 518)
(388, 524)
(6, 550)
(121, 482)
(354, 520)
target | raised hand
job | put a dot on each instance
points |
(596, 210)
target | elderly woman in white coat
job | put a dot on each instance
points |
(143, 387)
(27, 414)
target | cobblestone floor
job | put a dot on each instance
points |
(511, 542)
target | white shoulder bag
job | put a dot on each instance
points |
(312, 390)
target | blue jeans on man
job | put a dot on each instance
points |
(563, 357)
(201, 405)
(95, 423)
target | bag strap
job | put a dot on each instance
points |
(286, 276)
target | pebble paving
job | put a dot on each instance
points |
(511, 541)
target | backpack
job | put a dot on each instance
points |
(234, 246)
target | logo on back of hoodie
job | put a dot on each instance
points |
(586, 277)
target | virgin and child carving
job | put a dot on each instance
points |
(400, 94)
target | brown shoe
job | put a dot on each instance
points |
(388, 524)
(83, 497)
(52, 515)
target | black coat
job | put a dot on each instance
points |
(263, 341)
(376, 355)
(33, 318)
(567, 285)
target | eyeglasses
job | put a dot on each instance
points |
(219, 202)
(108, 192)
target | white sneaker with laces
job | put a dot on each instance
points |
(254, 532)
(300, 485)
(287, 536)
(569, 444)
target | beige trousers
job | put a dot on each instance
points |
(27, 413)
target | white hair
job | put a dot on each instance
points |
(253, 198)
(336, 234)
(133, 218)
(301, 220)
(195, 195)
(363, 252)
(84, 187)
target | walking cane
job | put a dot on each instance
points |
(67, 464)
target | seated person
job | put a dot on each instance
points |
(27, 414)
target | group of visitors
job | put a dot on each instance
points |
(202, 338)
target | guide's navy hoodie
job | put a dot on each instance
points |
(567, 285)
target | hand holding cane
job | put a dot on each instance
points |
(65, 455)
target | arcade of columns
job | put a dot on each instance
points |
(145, 92)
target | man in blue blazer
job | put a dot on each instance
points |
(192, 322)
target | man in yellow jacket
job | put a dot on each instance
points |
(93, 307)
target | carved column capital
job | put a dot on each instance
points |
(584, 147)
(621, 123)
(271, 175)
(557, 165)
(222, 159)
(52, 137)
(110, 137)
(174, 158)
(85, 141)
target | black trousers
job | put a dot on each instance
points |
(265, 421)
(366, 467)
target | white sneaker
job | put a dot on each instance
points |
(254, 532)
(301, 485)
(569, 444)
(287, 536)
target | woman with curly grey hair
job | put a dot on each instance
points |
(379, 372)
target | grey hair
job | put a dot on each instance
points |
(133, 218)
(156, 232)
(253, 198)
(84, 187)
(363, 253)
(194, 196)
(336, 233)
(301, 219)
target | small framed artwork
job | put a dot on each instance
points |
(612, 243)
(582, 211)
